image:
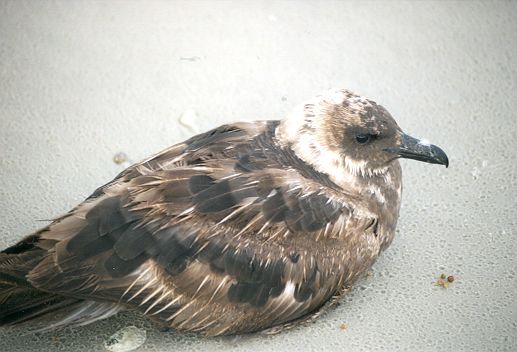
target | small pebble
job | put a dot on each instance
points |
(120, 158)
(189, 121)
(444, 280)
(442, 283)
(343, 326)
(126, 339)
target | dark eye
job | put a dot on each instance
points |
(362, 138)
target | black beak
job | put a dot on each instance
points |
(417, 149)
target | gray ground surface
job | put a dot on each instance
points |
(80, 82)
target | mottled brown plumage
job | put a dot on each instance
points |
(242, 228)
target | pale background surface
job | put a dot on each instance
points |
(80, 82)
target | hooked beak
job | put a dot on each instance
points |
(417, 149)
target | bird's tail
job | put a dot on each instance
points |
(24, 306)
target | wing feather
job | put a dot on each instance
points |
(190, 236)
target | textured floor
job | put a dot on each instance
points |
(81, 82)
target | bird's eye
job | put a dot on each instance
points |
(362, 138)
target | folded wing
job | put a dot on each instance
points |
(212, 235)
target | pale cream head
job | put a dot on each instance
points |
(341, 134)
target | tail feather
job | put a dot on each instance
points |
(27, 307)
(21, 305)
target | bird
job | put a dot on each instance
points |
(251, 226)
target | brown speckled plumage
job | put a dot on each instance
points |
(242, 228)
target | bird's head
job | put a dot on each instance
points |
(340, 130)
